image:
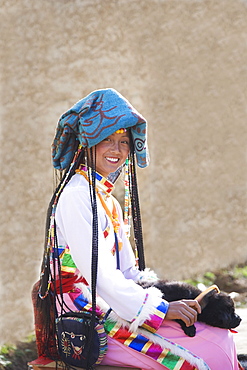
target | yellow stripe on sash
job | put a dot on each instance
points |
(130, 339)
(68, 269)
(179, 364)
(163, 354)
(113, 331)
(146, 347)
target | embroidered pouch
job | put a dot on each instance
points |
(73, 332)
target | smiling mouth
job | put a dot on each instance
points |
(112, 160)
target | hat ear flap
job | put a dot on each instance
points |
(140, 144)
(63, 150)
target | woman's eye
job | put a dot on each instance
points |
(125, 142)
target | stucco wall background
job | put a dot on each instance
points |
(182, 64)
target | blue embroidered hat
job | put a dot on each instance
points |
(93, 119)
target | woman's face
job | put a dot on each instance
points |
(112, 152)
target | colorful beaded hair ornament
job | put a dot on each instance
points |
(121, 131)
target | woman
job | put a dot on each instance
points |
(93, 141)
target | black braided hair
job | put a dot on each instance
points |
(135, 209)
(93, 197)
(94, 261)
(45, 303)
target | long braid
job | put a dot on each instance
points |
(93, 197)
(136, 214)
(94, 262)
(45, 302)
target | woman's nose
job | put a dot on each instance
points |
(115, 146)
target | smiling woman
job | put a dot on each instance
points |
(112, 152)
(94, 139)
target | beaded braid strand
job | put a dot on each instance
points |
(136, 214)
(127, 200)
(50, 235)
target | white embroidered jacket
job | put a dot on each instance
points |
(116, 287)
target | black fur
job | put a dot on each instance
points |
(219, 310)
(243, 361)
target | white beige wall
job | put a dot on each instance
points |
(183, 65)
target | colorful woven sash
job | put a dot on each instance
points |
(165, 352)
(142, 344)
